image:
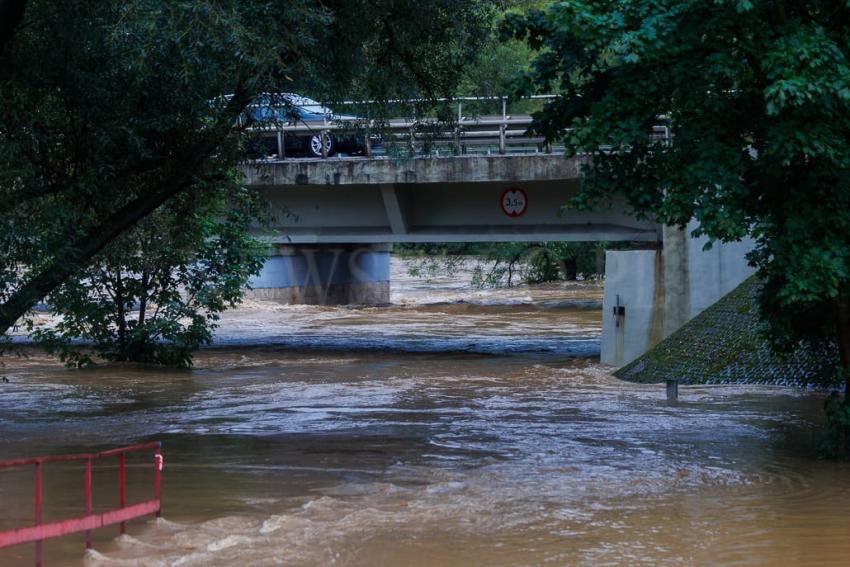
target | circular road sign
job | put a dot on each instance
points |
(514, 202)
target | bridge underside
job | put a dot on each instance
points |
(455, 199)
(444, 212)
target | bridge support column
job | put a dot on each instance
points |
(649, 294)
(325, 274)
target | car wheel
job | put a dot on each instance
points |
(315, 146)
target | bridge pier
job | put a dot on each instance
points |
(649, 294)
(325, 274)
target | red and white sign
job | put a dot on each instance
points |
(514, 202)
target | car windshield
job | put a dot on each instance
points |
(307, 104)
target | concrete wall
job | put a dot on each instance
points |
(633, 282)
(662, 290)
(325, 275)
(714, 273)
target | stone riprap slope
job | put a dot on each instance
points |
(726, 344)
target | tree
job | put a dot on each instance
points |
(155, 293)
(103, 122)
(756, 95)
(112, 109)
(537, 262)
(497, 65)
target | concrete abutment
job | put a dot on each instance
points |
(649, 294)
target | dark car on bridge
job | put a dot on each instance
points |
(272, 110)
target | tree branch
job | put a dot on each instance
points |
(11, 14)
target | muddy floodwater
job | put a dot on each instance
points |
(455, 427)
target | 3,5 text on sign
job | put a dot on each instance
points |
(514, 202)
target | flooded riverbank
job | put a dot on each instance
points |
(358, 446)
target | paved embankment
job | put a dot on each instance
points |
(726, 344)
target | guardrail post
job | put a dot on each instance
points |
(368, 142)
(88, 500)
(322, 137)
(547, 147)
(457, 148)
(502, 136)
(122, 487)
(412, 142)
(281, 146)
(38, 518)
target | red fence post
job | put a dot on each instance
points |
(38, 497)
(122, 488)
(88, 500)
(157, 471)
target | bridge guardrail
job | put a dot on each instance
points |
(503, 133)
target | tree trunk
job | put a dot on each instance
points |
(842, 328)
(842, 325)
(11, 14)
(143, 300)
(570, 269)
(121, 310)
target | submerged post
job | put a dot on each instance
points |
(672, 390)
(157, 478)
(122, 487)
(38, 509)
(88, 499)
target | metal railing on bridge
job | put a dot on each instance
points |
(410, 136)
(467, 133)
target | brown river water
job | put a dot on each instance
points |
(455, 427)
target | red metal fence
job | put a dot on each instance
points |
(41, 531)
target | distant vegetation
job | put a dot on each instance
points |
(510, 263)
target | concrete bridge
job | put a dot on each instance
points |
(428, 199)
(335, 219)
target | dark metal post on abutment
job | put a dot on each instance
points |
(672, 390)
